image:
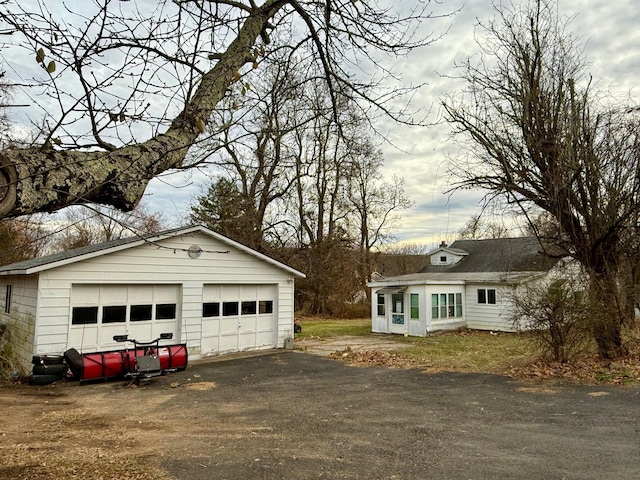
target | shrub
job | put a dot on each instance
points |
(557, 315)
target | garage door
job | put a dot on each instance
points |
(98, 312)
(238, 317)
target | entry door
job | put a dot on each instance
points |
(398, 316)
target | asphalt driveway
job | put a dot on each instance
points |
(296, 416)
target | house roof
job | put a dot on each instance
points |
(523, 254)
(502, 260)
(48, 262)
(455, 278)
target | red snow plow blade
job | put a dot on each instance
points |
(116, 363)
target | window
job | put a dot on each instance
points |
(265, 306)
(397, 300)
(114, 314)
(446, 305)
(434, 305)
(84, 315)
(165, 311)
(397, 308)
(211, 309)
(443, 259)
(487, 296)
(482, 295)
(248, 308)
(415, 305)
(381, 308)
(491, 296)
(140, 313)
(7, 299)
(229, 309)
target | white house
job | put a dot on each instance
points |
(212, 293)
(468, 284)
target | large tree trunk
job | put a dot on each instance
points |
(45, 179)
(607, 317)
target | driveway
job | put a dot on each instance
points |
(291, 415)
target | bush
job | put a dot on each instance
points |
(9, 365)
(557, 315)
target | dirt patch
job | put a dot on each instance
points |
(356, 344)
(292, 415)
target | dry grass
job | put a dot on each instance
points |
(470, 351)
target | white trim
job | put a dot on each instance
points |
(157, 238)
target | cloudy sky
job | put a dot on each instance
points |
(610, 31)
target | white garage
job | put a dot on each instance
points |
(210, 292)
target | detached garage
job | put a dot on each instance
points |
(210, 292)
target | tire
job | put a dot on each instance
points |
(75, 361)
(47, 359)
(58, 369)
(43, 379)
(297, 328)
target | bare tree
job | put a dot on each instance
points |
(539, 138)
(376, 205)
(88, 225)
(109, 68)
(478, 227)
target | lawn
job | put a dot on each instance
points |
(331, 327)
(474, 351)
(463, 351)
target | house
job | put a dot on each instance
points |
(469, 284)
(210, 292)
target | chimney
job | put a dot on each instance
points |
(443, 244)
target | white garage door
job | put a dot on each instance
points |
(238, 317)
(98, 312)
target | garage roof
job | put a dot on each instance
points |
(48, 262)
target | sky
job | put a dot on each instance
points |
(610, 31)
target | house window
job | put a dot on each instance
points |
(248, 308)
(434, 305)
(84, 315)
(446, 305)
(397, 309)
(211, 309)
(381, 307)
(397, 300)
(165, 311)
(7, 299)
(114, 314)
(140, 313)
(415, 305)
(443, 259)
(229, 309)
(487, 296)
(265, 306)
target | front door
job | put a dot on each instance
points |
(398, 319)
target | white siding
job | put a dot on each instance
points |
(487, 316)
(21, 319)
(165, 262)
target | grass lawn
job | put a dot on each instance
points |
(331, 327)
(474, 351)
(463, 351)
